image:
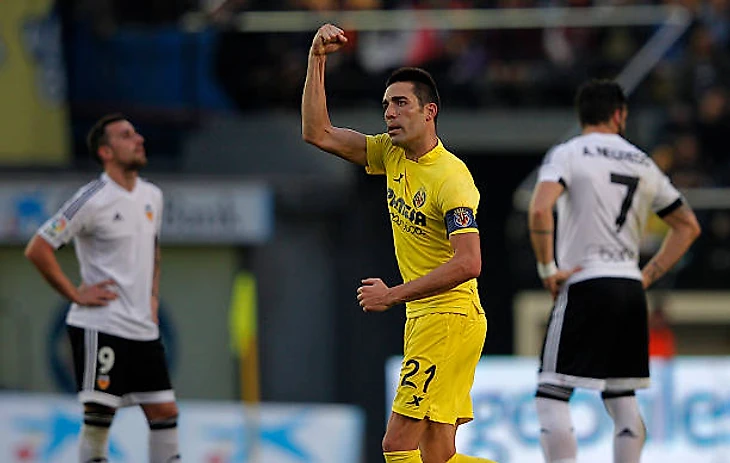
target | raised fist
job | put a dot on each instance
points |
(329, 38)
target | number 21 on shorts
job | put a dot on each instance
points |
(411, 369)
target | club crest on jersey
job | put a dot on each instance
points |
(148, 212)
(103, 382)
(419, 199)
(57, 226)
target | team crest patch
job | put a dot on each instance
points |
(460, 217)
(149, 213)
(419, 199)
(103, 382)
(57, 226)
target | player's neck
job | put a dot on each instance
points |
(600, 128)
(422, 147)
(126, 179)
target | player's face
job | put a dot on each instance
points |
(405, 118)
(125, 145)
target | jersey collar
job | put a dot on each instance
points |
(432, 155)
(118, 187)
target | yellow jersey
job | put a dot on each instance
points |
(428, 200)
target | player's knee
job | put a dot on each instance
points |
(398, 441)
(98, 415)
(160, 412)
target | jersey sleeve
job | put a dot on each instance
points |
(377, 148)
(458, 199)
(73, 217)
(556, 166)
(667, 198)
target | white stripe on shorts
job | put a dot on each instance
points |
(552, 340)
(91, 342)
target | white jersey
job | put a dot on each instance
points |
(114, 233)
(610, 188)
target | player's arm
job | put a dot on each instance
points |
(42, 254)
(542, 227)
(375, 296)
(155, 297)
(683, 231)
(316, 126)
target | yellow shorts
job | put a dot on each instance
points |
(440, 355)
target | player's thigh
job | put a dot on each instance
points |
(440, 355)
(467, 350)
(576, 335)
(629, 354)
(150, 381)
(424, 349)
(100, 366)
(159, 411)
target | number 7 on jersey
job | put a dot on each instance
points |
(631, 184)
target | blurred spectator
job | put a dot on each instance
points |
(687, 167)
(705, 66)
(715, 16)
(713, 125)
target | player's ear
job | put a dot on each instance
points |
(105, 153)
(618, 115)
(431, 111)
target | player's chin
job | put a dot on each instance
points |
(397, 139)
(137, 164)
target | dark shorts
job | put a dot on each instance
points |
(598, 337)
(118, 372)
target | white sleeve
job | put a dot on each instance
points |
(73, 217)
(556, 166)
(667, 197)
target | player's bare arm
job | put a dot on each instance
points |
(43, 256)
(376, 296)
(683, 231)
(317, 128)
(542, 226)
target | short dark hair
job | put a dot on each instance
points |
(597, 100)
(424, 87)
(97, 134)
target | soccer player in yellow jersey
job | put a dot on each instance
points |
(432, 203)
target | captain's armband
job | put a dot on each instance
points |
(460, 218)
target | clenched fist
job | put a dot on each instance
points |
(328, 39)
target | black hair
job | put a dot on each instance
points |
(597, 100)
(97, 135)
(424, 87)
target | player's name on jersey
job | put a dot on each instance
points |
(617, 155)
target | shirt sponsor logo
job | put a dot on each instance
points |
(611, 253)
(405, 216)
